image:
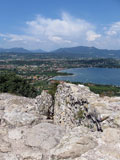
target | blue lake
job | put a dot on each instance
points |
(109, 76)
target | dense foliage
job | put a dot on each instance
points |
(11, 83)
(105, 90)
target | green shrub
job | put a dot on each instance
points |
(52, 88)
(80, 114)
(11, 83)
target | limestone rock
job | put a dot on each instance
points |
(74, 144)
(71, 102)
(30, 143)
(8, 156)
(4, 146)
(18, 111)
(15, 134)
(70, 106)
(44, 136)
(24, 136)
(111, 135)
(82, 144)
(45, 104)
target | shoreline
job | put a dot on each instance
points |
(98, 76)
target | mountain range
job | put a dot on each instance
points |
(87, 52)
(14, 50)
(20, 50)
(73, 52)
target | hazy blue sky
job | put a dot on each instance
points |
(51, 24)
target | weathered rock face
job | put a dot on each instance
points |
(77, 105)
(24, 136)
(17, 111)
(30, 143)
(45, 104)
(67, 104)
(82, 144)
(71, 106)
(44, 136)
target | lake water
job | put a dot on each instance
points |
(109, 76)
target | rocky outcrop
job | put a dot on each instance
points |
(26, 133)
(45, 104)
(29, 143)
(45, 136)
(72, 107)
(23, 135)
(69, 101)
(82, 144)
(17, 111)
(76, 105)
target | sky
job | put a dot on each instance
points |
(52, 24)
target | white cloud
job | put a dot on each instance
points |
(57, 39)
(114, 29)
(110, 38)
(63, 32)
(67, 31)
(15, 37)
(92, 36)
(65, 26)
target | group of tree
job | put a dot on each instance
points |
(12, 83)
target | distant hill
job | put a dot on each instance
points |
(21, 50)
(38, 51)
(86, 52)
(14, 50)
(69, 53)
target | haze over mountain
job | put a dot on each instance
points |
(14, 50)
(73, 52)
(86, 52)
(20, 50)
(38, 51)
